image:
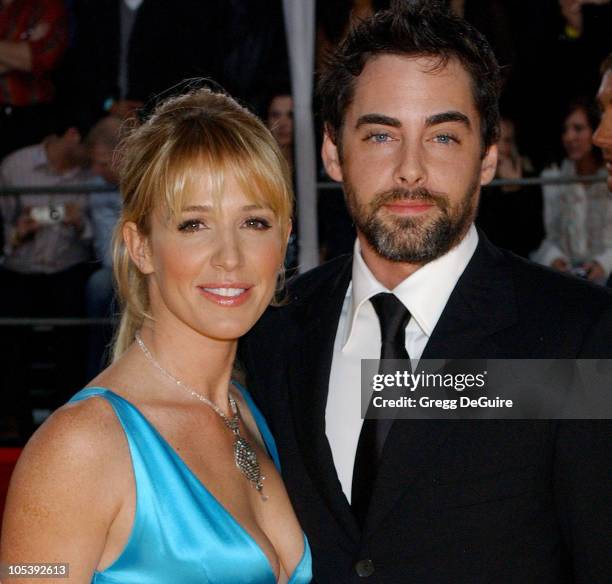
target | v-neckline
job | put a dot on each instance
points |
(223, 509)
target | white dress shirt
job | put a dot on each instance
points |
(425, 294)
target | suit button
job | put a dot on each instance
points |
(364, 568)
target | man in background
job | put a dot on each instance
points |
(603, 135)
(47, 237)
(47, 252)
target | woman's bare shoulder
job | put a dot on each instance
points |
(70, 479)
(77, 442)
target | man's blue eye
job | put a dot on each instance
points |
(380, 137)
(444, 138)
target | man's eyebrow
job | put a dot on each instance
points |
(450, 116)
(379, 119)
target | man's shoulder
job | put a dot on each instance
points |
(545, 284)
(20, 161)
(560, 305)
(314, 281)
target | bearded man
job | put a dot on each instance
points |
(410, 107)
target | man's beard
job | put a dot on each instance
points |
(416, 240)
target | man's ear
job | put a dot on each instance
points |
(489, 165)
(331, 157)
(138, 247)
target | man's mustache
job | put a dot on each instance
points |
(418, 194)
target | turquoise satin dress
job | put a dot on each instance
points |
(181, 534)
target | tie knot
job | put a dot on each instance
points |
(393, 317)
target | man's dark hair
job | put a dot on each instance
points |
(419, 28)
(606, 65)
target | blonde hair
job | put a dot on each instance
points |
(200, 133)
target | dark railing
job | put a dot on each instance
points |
(323, 186)
(521, 182)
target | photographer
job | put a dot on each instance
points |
(46, 236)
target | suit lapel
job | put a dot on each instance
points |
(482, 303)
(309, 382)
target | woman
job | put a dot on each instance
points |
(155, 473)
(578, 215)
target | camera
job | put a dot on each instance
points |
(48, 214)
(579, 272)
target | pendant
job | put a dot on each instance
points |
(247, 463)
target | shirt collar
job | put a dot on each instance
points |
(39, 156)
(41, 162)
(424, 293)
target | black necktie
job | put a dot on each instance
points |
(393, 317)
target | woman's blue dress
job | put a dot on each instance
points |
(181, 534)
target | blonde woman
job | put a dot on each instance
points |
(163, 470)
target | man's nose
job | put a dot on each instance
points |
(410, 170)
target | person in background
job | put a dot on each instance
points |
(47, 253)
(47, 237)
(578, 216)
(279, 119)
(603, 135)
(511, 215)
(94, 80)
(104, 209)
(583, 42)
(33, 38)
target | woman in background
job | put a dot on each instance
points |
(578, 215)
(163, 470)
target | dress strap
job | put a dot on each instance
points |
(88, 392)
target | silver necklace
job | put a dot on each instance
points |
(245, 456)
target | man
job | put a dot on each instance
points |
(603, 135)
(47, 236)
(411, 120)
(47, 239)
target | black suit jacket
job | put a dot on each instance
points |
(455, 501)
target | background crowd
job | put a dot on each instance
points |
(73, 73)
